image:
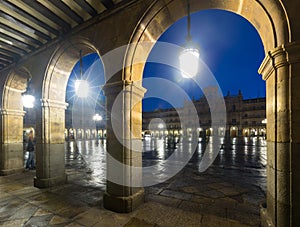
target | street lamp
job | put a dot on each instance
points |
(97, 118)
(27, 97)
(81, 85)
(189, 57)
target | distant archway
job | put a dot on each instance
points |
(12, 113)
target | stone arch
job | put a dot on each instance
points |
(280, 68)
(15, 85)
(60, 67)
(12, 113)
(272, 26)
(51, 116)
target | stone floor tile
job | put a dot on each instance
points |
(214, 194)
(202, 199)
(74, 224)
(168, 201)
(215, 210)
(190, 189)
(226, 202)
(215, 221)
(9, 187)
(13, 223)
(218, 185)
(109, 221)
(26, 191)
(41, 198)
(71, 211)
(24, 212)
(121, 219)
(4, 180)
(166, 216)
(246, 218)
(229, 191)
(39, 220)
(135, 222)
(192, 206)
(4, 196)
(59, 220)
(176, 194)
(10, 207)
(41, 212)
(89, 217)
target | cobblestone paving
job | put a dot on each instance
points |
(227, 194)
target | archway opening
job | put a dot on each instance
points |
(86, 122)
(232, 52)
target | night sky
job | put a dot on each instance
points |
(229, 46)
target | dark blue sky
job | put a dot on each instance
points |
(229, 45)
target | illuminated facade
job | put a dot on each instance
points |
(244, 117)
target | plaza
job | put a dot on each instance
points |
(229, 193)
(41, 42)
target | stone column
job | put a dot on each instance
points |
(124, 127)
(12, 155)
(50, 153)
(281, 70)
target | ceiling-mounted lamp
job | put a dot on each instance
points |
(27, 97)
(81, 85)
(189, 57)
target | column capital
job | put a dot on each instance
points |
(12, 112)
(283, 55)
(124, 85)
(53, 103)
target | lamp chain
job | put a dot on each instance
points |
(80, 52)
(189, 37)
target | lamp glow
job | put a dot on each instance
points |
(28, 101)
(97, 117)
(189, 61)
(82, 88)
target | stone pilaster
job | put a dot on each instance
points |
(124, 127)
(50, 154)
(281, 70)
(11, 151)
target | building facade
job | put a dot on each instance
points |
(245, 117)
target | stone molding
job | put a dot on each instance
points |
(12, 112)
(124, 85)
(283, 55)
(53, 103)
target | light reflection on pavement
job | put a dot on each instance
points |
(232, 187)
(246, 153)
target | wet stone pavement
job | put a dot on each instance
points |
(228, 193)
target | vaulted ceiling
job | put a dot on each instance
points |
(27, 25)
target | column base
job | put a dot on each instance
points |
(265, 218)
(50, 182)
(5, 172)
(123, 204)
